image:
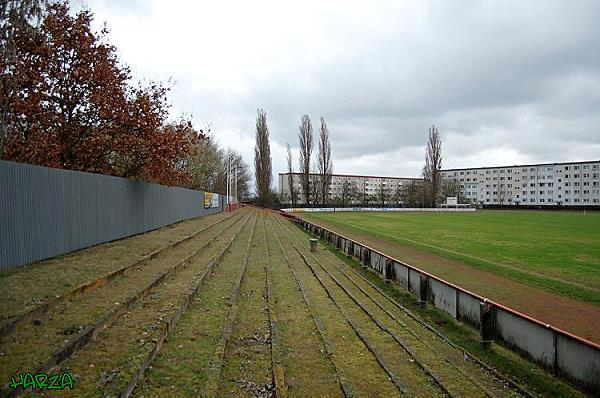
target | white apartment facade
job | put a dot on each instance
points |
(359, 188)
(548, 184)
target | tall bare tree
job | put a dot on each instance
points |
(325, 163)
(452, 187)
(240, 173)
(412, 193)
(262, 158)
(305, 139)
(290, 174)
(433, 165)
(348, 191)
(206, 166)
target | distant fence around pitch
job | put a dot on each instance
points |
(384, 209)
(46, 212)
(564, 354)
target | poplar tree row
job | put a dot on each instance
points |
(315, 179)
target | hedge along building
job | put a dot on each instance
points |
(348, 189)
(544, 184)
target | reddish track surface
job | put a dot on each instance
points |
(570, 315)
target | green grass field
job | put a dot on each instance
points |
(555, 251)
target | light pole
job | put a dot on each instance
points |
(228, 181)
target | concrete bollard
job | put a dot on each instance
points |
(313, 245)
(486, 326)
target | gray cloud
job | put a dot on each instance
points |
(505, 82)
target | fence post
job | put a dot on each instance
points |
(389, 270)
(424, 290)
(366, 257)
(486, 328)
(351, 248)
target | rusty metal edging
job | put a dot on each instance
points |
(458, 288)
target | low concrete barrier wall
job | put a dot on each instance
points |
(567, 355)
(443, 296)
(468, 309)
(528, 337)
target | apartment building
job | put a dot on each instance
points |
(353, 189)
(547, 184)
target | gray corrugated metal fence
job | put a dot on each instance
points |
(45, 212)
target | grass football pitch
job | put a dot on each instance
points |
(555, 251)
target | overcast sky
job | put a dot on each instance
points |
(504, 82)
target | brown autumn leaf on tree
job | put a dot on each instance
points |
(66, 102)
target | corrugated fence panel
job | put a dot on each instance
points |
(45, 212)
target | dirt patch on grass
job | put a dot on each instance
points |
(573, 316)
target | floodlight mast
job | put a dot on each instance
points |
(227, 184)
